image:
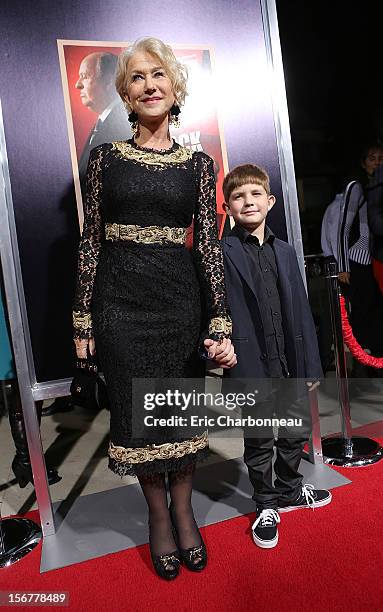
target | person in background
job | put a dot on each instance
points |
(329, 229)
(375, 221)
(330, 248)
(354, 261)
(21, 464)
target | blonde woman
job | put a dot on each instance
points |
(143, 300)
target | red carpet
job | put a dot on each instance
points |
(328, 560)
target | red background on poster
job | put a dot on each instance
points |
(200, 122)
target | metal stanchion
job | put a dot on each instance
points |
(17, 538)
(345, 451)
(315, 452)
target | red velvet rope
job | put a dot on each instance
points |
(355, 348)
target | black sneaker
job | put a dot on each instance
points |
(308, 498)
(265, 531)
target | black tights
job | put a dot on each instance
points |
(180, 488)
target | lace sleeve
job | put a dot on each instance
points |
(89, 248)
(208, 251)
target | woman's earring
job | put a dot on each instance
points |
(133, 120)
(174, 113)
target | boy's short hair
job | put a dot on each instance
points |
(241, 175)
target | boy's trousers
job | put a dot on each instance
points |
(259, 458)
(259, 451)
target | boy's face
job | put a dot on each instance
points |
(249, 205)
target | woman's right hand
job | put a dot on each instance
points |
(82, 347)
(221, 352)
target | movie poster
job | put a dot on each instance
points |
(95, 113)
(48, 127)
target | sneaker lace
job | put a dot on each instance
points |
(307, 493)
(267, 517)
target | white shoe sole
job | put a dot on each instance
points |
(320, 504)
(265, 543)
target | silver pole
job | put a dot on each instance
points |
(345, 451)
(340, 355)
(315, 441)
(2, 544)
(18, 323)
(22, 537)
(282, 129)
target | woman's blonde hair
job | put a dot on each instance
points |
(176, 71)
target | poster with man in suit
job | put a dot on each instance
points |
(95, 113)
(98, 94)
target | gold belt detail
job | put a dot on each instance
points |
(153, 234)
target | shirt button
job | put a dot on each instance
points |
(265, 269)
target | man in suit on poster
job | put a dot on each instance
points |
(98, 94)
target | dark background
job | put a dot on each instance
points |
(333, 64)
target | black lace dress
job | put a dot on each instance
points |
(143, 296)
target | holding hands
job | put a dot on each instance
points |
(221, 352)
(82, 347)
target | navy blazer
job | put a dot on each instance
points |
(301, 346)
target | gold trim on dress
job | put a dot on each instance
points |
(152, 234)
(82, 321)
(151, 158)
(221, 325)
(152, 452)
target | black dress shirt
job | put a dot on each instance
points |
(264, 272)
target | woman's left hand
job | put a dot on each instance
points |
(221, 352)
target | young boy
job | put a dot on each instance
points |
(273, 336)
